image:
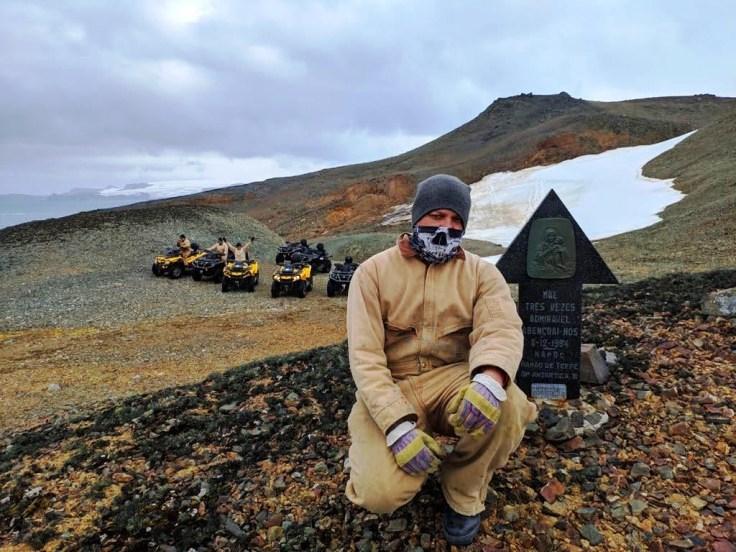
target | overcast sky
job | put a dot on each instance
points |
(98, 94)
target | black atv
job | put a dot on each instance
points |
(287, 250)
(208, 267)
(317, 257)
(172, 264)
(339, 280)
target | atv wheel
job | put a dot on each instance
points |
(325, 266)
(176, 271)
(275, 289)
(279, 258)
(218, 277)
(249, 285)
(300, 289)
(310, 283)
(225, 284)
(197, 276)
(331, 288)
(255, 281)
(156, 271)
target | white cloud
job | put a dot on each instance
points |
(319, 80)
(271, 61)
(181, 14)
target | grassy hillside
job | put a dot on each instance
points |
(699, 232)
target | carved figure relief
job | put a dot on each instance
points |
(551, 249)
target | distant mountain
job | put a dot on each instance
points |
(511, 134)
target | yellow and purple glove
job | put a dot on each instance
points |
(475, 410)
(415, 451)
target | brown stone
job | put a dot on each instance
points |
(680, 428)
(575, 443)
(121, 477)
(711, 484)
(552, 490)
(723, 546)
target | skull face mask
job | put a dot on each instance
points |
(436, 244)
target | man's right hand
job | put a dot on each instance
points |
(416, 452)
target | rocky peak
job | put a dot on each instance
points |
(534, 102)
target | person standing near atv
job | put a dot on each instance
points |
(220, 247)
(434, 341)
(240, 251)
(184, 245)
(247, 247)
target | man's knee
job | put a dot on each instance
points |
(382, 495)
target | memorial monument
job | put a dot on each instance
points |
(551, 258)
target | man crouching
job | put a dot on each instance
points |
(434, 341)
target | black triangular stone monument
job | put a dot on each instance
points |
(551, 258)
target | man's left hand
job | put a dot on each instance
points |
(475, 410)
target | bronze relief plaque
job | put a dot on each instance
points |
(551, 249)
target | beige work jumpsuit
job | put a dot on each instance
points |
(416, 333)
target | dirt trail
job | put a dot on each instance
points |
(93, 364)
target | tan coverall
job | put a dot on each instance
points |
(185, 246)
(416, 333)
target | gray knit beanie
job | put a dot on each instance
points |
(441, 191)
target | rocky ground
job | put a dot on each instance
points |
(254, 458)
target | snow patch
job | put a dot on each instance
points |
(606, 193)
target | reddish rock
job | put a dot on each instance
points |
(711, 484)
(552, 490)
(575, 443)
(680, 428)
(723, 546)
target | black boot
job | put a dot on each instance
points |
(459, 529)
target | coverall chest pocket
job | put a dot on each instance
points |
(454, 342)
(397, 333)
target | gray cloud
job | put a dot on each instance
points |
(95, 93)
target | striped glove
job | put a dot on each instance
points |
(475, 410)
(415, 451)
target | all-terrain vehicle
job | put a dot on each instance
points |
(339, 279)
(241, 275)
(317, 257)
(292, 278)
(209, 266)
(172, 264)
(285, 251)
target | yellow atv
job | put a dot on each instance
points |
(240, 275)
(292, 278)
(173, 265)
